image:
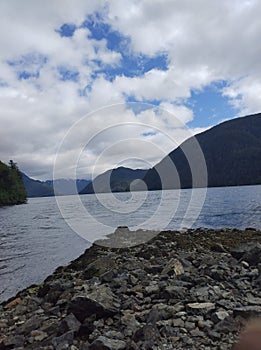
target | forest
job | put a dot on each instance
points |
(12, 190)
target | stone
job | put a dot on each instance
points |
(70, 323)
(247, 311)
(99, 267)
(102, 302)
(219, 316)
(63, 341)
(13, 303)
(106, 343)
(253, 255)
(173, 266)
(152, 289)
(178, 322)
(146, 333)
(29, 325)
(13, 341)
(199, 306)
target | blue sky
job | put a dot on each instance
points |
(60, 64)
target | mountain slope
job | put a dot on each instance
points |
(36, 188)
(114, 180)
(232, 151)
(67, 186)
(12, 190)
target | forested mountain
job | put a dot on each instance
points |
(114, 180)
(12, 190)
(232, 152)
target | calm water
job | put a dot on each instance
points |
(35, 238)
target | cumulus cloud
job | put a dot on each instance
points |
(49, 80)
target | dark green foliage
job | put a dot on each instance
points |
(12, 190)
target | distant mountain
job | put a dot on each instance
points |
(232, 151)
(36, 188)
(114, 180)
(67, 186)
(12, 189)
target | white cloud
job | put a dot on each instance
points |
(203, 42)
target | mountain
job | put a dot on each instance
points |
(36, 188)
(67, 186)
(12, 190)
(114, 180)
(232, 151)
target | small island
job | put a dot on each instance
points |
(179, 290)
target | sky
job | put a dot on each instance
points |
(91, 85)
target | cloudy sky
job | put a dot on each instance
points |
(108, 83)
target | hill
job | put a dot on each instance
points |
(36, 188)
(12, 190)
(114, 180)
(67, 186)
(232, 151)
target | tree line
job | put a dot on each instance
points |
(12, 190)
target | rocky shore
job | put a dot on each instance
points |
(180, 290)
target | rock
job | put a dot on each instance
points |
(178, 322)
(173, 266)
(13, 303)
(247, 311)
(152, 289)
(39, 335)
(13, 341)
(106, 343)
(219, 316)
(147, 333)
(197, 333)
(63, 342)
(70, 323)
(29, 325)
(240, 250)
(100, 267)
(201, 306)
(253, 255)
(101, 302)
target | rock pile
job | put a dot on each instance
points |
(190, 290)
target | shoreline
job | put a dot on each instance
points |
(188, 290)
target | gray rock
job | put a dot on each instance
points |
(63, 342)
(70, 323)
(106, 343)
(219, 316)
(102, 302)
(247, 311)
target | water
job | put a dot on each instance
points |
(35, 238)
